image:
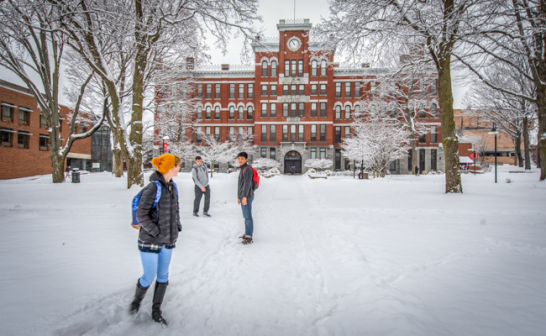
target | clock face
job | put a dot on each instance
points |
(294, 44)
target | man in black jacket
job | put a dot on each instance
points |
(245, 195)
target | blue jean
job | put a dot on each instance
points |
(247, 214)
(155, 264)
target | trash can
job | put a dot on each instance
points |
(75, 175)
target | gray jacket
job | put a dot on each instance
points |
(165, 230)
(200, 175)
(244, 187)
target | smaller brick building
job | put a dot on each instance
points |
(24, 137)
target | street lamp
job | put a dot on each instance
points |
(165, 139)
(495, 132)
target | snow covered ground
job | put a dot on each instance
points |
(393, 256)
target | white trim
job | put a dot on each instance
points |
(7, 130)
(24, 109)
(44, 136)
(8, 105)
(24, 133)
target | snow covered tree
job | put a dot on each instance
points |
(319, 165)
(428, 31)
(263, 164)
(376, 143)
(214, 151)
(31, 46)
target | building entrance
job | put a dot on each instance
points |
(292, 163)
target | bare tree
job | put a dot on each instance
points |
(214, 151)
(31, 45)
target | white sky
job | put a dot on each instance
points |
(272, 12)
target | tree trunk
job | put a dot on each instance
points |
(541, 105)
(517, 147)
(526, 143)
(449, 136)
(117, 158)
(57, 167)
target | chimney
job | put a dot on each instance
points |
(190, 63)
(225, 67)
(365, 65)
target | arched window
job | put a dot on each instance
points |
(357, 110)
(249, 111)
(433, 110)
(241, 113)
(347, 112)
(323, 68)
(231, 112)
(264, 69)
(199, 112)
(207, 112)
(314, 68)
(338, 112)
(274, 69)
(217, 112)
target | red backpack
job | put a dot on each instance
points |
(255, 178)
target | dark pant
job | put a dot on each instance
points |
(198, 194)
(247, 214)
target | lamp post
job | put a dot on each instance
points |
(495, 132)
(165, 139)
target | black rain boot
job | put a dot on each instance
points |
(139, 295)
(159, 294)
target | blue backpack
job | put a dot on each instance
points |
(136, 200)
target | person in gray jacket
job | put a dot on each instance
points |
(245, 195)
(200, 176)
(158, 232)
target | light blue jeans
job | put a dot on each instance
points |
(155, 264)
(247, 214)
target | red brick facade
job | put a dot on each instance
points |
(15, 161)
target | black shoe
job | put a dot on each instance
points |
(139, 295)
(206, 214)
(159, 294)
(195, 214)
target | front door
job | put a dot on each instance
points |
(292, 163)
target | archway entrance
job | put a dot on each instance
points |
(292, 163)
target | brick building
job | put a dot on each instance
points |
(24, 138)
(298, 103)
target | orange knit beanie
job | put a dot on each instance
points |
(164, 163)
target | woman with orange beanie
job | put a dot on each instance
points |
(158, 231)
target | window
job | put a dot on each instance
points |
(241, 114)
(273, 112)
(264, 137)
(274, 89)
(24, 117)
(217, 112)
(357, 90)
(231, 90)
(285, 90)
(433, 156)
(217, 133)
(241, 91)
(322, 132)
(337, 134)
(273, 68)
(392, 111)
(286, 68)
(314, 68)
(347, 131)
(43, 142)
(199, 91)
(293, 89)
(284, 133)
(272, 133)
(207, 112)
(231, 133)
(313, 153)
(250, 91)
(323, 68)
(207, 133)
(301, 110)
(313, 133)
(249, 132)
(433, 87)
(313, 89)
(313, 110)
(7, 112)
(5, 136)
(263, 152)
(347, 89)
(209, 91)
(357, 110)
(301, 90)
(264, 90)
(338, 112)
(347, 112)
(293, 132)
(323, 153)
(199, 112)
(264, 69)
(22, 139)
(323, 89)
(231, 112)
(422, 113)
(300, 133)
(433, 110)
(422, 135)
(83, 128)
(272, 153)
(217, 92)
(433, 131)
(294, 68)
(293, 110)
(372, 88)
(240, 133)
(285, 110)
(410, 166)
(264, 110)
(323, 109)
(198, 135)
(300, 68)
(338, 90)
